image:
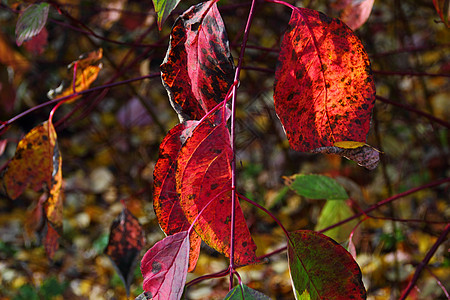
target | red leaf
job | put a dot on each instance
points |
(198, 69)
(166, 201)
(125, 242)
(37, 44)
(354, 12)
(322, 269)
(324, 91)
(203, 172)
(443, 9)
(164, 267)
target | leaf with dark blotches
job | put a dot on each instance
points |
(320, 268)
(324, 92)
(443, 10)
(166, 201)
(164, 268)
(31, 21)
(126, 240)
(163, 9)
(354, 13)
(204, 173)
(33, 162)
(37, 165)
(198, 69)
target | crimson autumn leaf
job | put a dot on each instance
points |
(354, 13)
(324, 91)
(164, 268)
(198, 69)
(203, 173)
(166, 200)
(126, 240)
(320, 268)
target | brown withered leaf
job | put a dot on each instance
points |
(33, 163)
(37, 165)
(126, 240)
(365, 156)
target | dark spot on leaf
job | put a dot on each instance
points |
(195, 26)
(44, 137)
(324, 18)
(214, 186)
(156, 267)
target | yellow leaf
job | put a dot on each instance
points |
(87, 69)
(349, 144)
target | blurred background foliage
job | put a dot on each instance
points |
(109, 142)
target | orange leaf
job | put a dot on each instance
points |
(33, 162)
(87, 69)
(37, 164)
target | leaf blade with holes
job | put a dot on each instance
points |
(31, 21)
(322, 269)
(324, 91)
(164, 267)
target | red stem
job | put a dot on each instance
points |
(372, 208)
(233, 138)
(424, 262)
(3, 125)
(412, 109)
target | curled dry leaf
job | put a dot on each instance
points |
(365, 156)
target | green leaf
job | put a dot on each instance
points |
(317, 187)
(163, 9)
(332, 213)
(31, 21)
(242, 291)
(322, 269)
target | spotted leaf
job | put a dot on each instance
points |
(324, 92)
(198, 69)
